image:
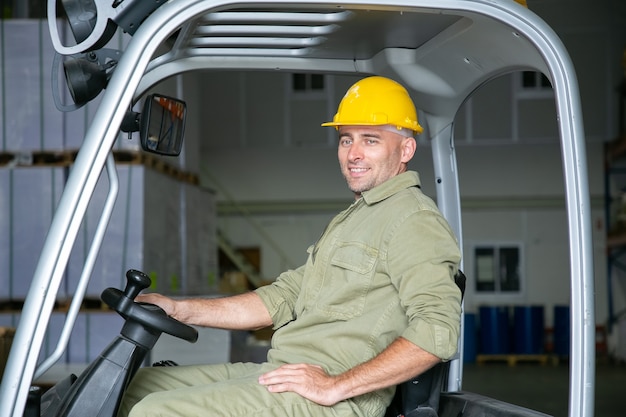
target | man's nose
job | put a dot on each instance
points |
(355, 152)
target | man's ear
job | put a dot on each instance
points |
(409, 145)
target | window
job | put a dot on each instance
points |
(532, 85)
(497, 269)
(535, 81)
(307, 83)
(309, 99)
(20, 9)
(534, 109)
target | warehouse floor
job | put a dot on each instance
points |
(545, 388)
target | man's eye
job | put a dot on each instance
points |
(345, 142)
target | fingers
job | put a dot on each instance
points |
(290, 372)
(309, 381)
(157, 299)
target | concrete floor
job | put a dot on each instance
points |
(545, 388)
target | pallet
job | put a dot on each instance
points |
(88, 304)
(67, 157)
(159, 165)
(514, 359)
(37, 158)
(63, 305)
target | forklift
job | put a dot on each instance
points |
(442, 50)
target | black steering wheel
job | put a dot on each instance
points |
(148, 315)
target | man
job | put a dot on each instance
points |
(374, 305)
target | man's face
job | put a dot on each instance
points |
(370, 155)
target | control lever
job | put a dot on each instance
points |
(136, 281)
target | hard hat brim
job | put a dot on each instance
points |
(416, 129)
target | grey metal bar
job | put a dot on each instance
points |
(449, 202)
(90, 261)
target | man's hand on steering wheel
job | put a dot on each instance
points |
(167, 304)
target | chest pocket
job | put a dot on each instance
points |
(347, 280)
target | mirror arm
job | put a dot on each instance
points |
(131, 122)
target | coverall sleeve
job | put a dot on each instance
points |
(280, 296)
(423, 258)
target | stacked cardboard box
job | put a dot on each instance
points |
(28, 197)
(160, 224)
(30, 120)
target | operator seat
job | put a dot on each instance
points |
(419, 396)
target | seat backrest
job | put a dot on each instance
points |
(419, 396)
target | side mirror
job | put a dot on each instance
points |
(162, 125)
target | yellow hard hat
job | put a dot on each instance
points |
(375, 101)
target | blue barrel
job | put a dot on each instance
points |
(469, 338)
(528, 337)
(561, 330)
(494, 330)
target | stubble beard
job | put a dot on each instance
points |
(358, 187)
